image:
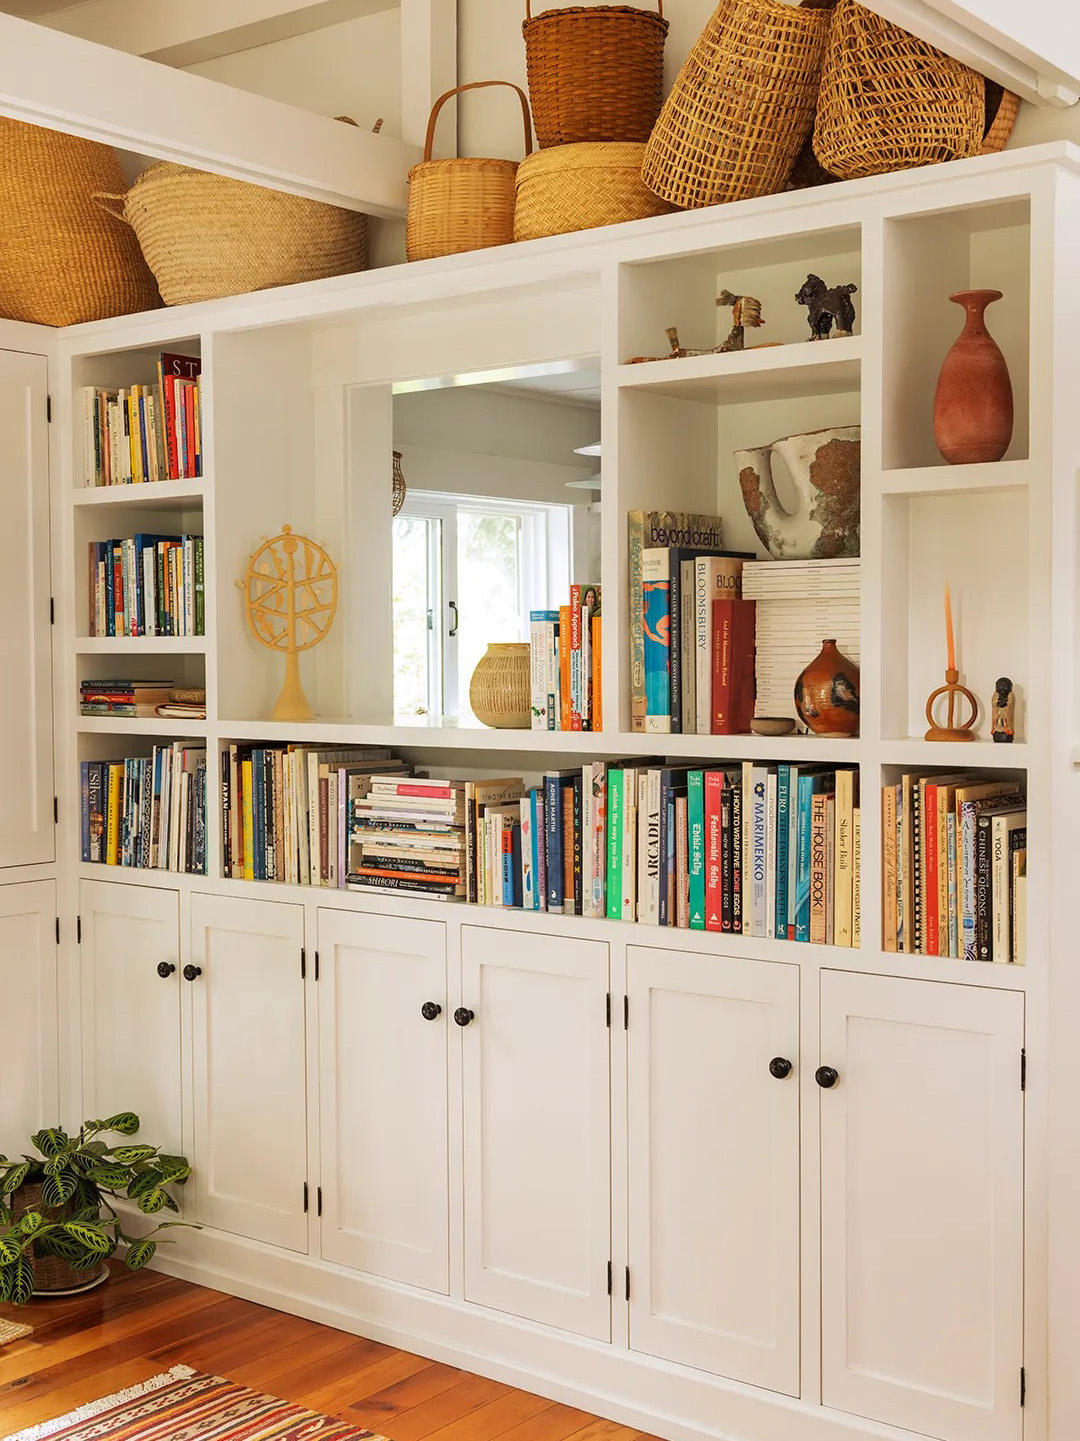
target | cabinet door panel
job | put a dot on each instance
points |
(131, 1014)
(922, 1205)
(29, 1091)
(537, 1128)
(714, 1164)
(26, 773)
(250, 1069)
(383, 1096)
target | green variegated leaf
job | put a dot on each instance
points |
(170, 1203)
(88, 1262)
(126, 1123)
(9, 1251)
(112, 1176)
(58, 1190)
(173, 1169)
(93, 1241)
(146, 1181)
(153, 1202)
(22, 1281)
(51, 1142)
(128, 1155)
(93, 1148)
(138, 1255)
(15, 1177)
(30, 1223)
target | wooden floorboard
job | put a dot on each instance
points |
(137, 1325)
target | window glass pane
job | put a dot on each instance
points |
(489, 589)
(414, 590)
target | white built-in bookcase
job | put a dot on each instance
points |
(298, 429)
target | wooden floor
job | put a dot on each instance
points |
(137, 1325)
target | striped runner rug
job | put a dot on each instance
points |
(183, 1403)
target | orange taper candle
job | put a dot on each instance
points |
(949, 639)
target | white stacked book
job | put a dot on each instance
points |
(800, 603)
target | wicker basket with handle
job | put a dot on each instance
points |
(577, 187)
(890, 101)
(595, 73)
(52, 1273)
(462, 204)
(742, 105)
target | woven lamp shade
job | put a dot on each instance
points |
(742, 106)
(64, 259)
(578, 187)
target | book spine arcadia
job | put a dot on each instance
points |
(553, 835)
(695, 834)
(738, 857)
(783, 837)
(635, 528)
(614, 844)
(656, 610)
(888, 868)
(687, 648)
(984, 934)
(713, 787)
(664, 917)
(818, 869)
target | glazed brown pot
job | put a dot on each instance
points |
(973, 404)
(827, 693)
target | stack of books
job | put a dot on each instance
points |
(139, 698)
(147, 812)
(145, 432)
(285, 810)
(798, 603)
(565, 653)
(954, 873)
(147, 585)
(408, 835)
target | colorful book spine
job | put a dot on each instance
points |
(696, 867)
(656, 603)
(758, 851)
(615, 780)
(783, 840)
(553, 831)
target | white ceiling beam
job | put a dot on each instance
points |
(65, 83)
(199, 30)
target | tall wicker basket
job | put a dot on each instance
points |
(64, 261)
(594, 73)
(890, 101)
(52, 1274)
(742, 106)
(463, 204)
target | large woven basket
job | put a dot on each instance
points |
(463, 204)
(51, 1273)
(1001, 110)
(890, 101)
(578, 187)
(594, 73)
(742, 106)
(63, 260)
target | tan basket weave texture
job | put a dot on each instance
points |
(64, 260)
(464, 204)
(1002, 108)
(741, 107)
(51, 1273)
(594, 73)
(890, 101)
(578, 187)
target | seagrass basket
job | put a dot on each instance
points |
(1001, 110)
(578, 187)
(64, 261)
(52, 1274)
(890, 101)
(595, 73)
(741, 107)
(462, 204)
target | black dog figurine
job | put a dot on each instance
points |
(827, 306)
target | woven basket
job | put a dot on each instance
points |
(63, 260)
(890, 101)
(499, 689)
(594, 74)
(464, 204)
(51, 1273)
(741, 107)
(1001, 110)
(577, 187)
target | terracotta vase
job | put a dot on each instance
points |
(499, 690)
(825, 469)
(827, 693)
(973, 404)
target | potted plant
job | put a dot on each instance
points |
(58, 1223)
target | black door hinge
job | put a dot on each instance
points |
(318, 1201)
(609, 1009)
(305, 1197)
(58, 930)
(78, 930)
(316, 965)
(48, 409)
(303, 964)
(55, 811)
(626, 1013)
(1023, 1069)
(609, 1278)
(628, 1283)
(1023, 1386)
(52, 610)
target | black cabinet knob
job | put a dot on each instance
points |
(431, 1010)
(463, 1016)
(826, 1077)
(780, 1068)
(192, 973)
(166, 969)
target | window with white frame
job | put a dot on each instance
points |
(467, 571)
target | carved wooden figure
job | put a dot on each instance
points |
(827, 307)
(1003, 712)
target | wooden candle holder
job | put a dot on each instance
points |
(951, 732)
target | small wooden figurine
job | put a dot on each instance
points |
(827, 307)
(1003, 712)
(746, 315)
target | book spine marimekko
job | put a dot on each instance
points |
(758, 851)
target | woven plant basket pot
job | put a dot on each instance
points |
(741, 107)
(890, 101)
(594, 73)
(64, 261)
(578, 187)
(51, 1273)
(464, 204)
(499, 689)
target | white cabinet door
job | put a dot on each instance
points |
(26, 773)
(249, 1062)
(922, 1188)
(537, 1127)
(382, 1096)
(29, 1091)
(714, 1164)
(131, 1033)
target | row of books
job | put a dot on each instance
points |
(770, 851)
(147, 585)
(142, 699)
(954, 873)
(565, 655)
(145, 432)
(147, 812)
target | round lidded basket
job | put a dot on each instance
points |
(52, 1274)
(889, 101)
(461, 204)
(499, 689)
(742, 106)
(578, 187)
(595, 73)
